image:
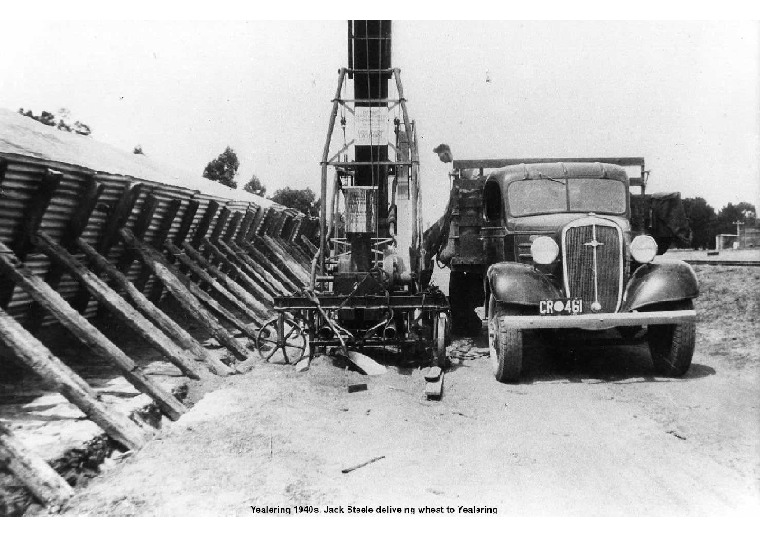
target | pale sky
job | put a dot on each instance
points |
(684, 95)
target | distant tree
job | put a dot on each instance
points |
(223, 168)
(255, 186)
(62, 123)
(730, 214)
(702, 221)
(301, 200)
(138, 150)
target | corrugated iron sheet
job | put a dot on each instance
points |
(23, 176)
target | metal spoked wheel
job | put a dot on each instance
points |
(281, 337)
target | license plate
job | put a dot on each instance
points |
(563, 306)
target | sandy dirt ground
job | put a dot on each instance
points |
(596, 434)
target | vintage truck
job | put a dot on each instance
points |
(561, 250)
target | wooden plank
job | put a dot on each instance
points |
(11, 267)
(215, 285)
(150, 310)
(434, 389)
(91, 191)
(262, 310)
(183, 295)
(37, 357)
(43, 482)
(22, 243)
(121, 309)
(366, 364)
(116, 219)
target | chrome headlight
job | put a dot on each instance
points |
(544, 250)
(643, 248)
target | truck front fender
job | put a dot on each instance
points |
(517, 283)
(659, 282)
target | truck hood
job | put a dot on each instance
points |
(544, 224)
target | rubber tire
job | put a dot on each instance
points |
(505, 344)
(672, 345)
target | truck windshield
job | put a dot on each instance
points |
(541, 196)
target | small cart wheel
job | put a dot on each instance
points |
(439, 341)
(281, 337)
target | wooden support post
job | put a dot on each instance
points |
(220, 310)
(205, 223)
(37, 357)
(228, 258)
(116, 219)
(91, 191)
(187, 299)
(261, 214)
(147, 308)
(161, 233)
(251, 269)
(232, 228)
(11, 267)
(22, 244)
(288, 280)
(245, 226)
(224, 215)
(243, 304)
(246, 281)
(302, 272)
(33, 471)
(261, 310)
(185, 225)
(309, 245)
(184, 228)
(290, 268)
(120, 308)
(144, 218)
(244, 261)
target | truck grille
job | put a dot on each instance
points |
(595, 281)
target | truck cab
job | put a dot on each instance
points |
(560, 252)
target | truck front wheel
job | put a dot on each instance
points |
(505, 344)
(672, 345)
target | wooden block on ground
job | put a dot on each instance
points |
(432, 373)
(356, 388)
(303, 365)
(433, 390)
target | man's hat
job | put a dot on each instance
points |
(441, 148)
